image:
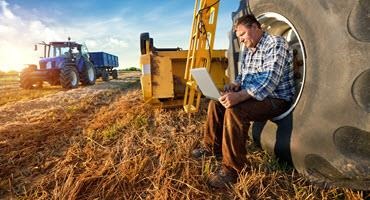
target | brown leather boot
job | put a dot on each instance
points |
(223, 178)
(201, 152)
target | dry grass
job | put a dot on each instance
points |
(11, 92)
(110, 145)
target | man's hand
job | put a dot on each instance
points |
(232, 87)
(230, 99)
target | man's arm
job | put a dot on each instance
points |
(232, 87)
(230, 99)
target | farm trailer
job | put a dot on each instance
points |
(104, 64)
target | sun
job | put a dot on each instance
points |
(15, 58)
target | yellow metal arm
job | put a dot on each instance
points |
(200, 49)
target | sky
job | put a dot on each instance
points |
(112, 26)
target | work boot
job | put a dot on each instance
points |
(201, 152)
(223, 178)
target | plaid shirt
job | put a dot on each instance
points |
(268, 71)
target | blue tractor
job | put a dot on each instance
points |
(64, 63)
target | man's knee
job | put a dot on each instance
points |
(214, 104)
(233, 115)
(231, 111)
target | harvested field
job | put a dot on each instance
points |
(103, 142)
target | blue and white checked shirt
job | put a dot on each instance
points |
(268, 71)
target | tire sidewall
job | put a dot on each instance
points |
(332, 65)
(306, 31)
(115, 74)
(85, 75)
(105, 75)
(25, 81)
(67, 74)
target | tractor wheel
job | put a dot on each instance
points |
(69, 77)
(115, 74)
(88, 75)
(104, 75)
(32, 67)
(54, 82)
(332, 102)
(38, 84)
(26, 81)
(143, 38)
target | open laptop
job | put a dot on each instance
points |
(205, 83)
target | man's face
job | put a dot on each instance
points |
(248, 35)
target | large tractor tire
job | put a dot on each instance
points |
(54, 82)
(114, 74)
(88, 74)
(330, 141)
(26, 81)
(69, 77)
(104, 75)
(54, 77)
(143, 38)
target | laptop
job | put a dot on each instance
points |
(205, 83)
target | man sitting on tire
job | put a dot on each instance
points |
(263, 90)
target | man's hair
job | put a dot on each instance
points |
(247, 20)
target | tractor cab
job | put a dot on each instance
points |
(56, 49)
(57, 53)
(64, 49)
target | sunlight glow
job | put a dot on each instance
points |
(14, 59)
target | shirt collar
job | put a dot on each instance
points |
(259, 44)
(262, 40)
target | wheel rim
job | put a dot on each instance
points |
(277, 24)
(91, 74)
(74, 80)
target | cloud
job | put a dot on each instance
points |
(91, 44)
(7, 13)
(18, 35)
(113, 32)
(117, 43)
(20, 29)
(117, 33)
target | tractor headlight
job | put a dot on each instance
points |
(49, 65)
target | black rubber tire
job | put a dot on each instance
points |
(25, 78)
(25, 81)
(234, 46)
(38, 85)
(88, 74)
(54, 82)
(69, 77)
(114, 74)
(334, 61)
(143, 38)
(32, 67)
(104, 75)
(53, 77)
